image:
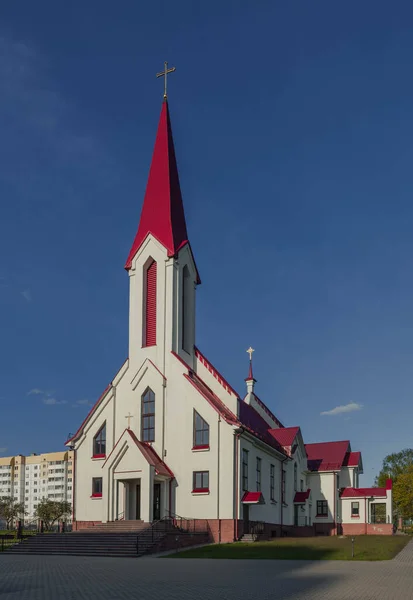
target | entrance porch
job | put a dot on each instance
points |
(136, 482)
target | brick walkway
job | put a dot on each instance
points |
(76, 578)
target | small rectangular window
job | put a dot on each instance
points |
(355, 509)
(258, 474)
(201, 432)
(97, 487)
(200, 481)
(272, 483)
(322, 508)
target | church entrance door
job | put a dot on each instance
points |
(138, 502)
(156, 501)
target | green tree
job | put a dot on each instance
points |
(50, 511)
(11, 510)
(403, 493)
(394, 465)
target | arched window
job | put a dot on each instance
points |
(186, 308)
(99, 442)
(148, 416)
(295, 477)
(149, 336)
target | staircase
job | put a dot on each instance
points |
(116, 539)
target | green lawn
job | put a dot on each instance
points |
(366, 547)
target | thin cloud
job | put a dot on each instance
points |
(343, 408)
(35, 392)
(26, 295)
(84, 402)
(53, 401)
(3, 450)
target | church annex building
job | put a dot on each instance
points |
(191, 445)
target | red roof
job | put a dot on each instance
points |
(163, 211)
(151, 456)
(352, 459)
(285, 435)
(252, 498)
(326, 456)
(301, 497)
(211, 397)
(254, 423)
(350, 492)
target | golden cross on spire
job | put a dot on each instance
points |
(129, 417)
(250, 351)
(164, 73)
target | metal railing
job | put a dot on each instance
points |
(149, 536)
(254, 527)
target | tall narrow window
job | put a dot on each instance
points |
(150, 306)
(99, 442)
(258, 474)
(355, 509)
(272, 483)
(245, 470)
(201, 432)
(186, 307)
(283, 475)
(148, 416)
(295, 477)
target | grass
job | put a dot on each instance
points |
(366, 547)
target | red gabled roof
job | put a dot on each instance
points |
(326, 456)
(148, 453)
(254, 423)
(162, 211)
(350, 492)
(211, 397)
(285, 435)
(301, 497)
(92, 410)
(352, 459)
(208, 365)
(151, 456)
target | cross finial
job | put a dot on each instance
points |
(128, 416)
(164, 73)
(250, 351)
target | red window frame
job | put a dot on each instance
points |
(99, 443)
(201, 434)
(204, 482)
(97, 486)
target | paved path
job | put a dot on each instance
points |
(77, 578)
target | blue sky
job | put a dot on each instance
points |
(293, 126)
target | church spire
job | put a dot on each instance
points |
(250, 380)
(162, 212)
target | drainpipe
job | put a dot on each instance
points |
(365, 516)
(237, 436)
(334, 503)
(218, 474)
(74, 489)
(281, 494)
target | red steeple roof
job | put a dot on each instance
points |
(162, 212)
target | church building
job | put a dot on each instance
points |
(171, 437)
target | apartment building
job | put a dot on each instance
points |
(29, 479)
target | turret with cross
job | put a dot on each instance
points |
(250, 380)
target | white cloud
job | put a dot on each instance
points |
(343, 408)
(35, 391)
(26, 295)
(52, 401)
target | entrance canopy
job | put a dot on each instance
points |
(253, 498)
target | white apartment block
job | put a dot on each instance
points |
(29, 479)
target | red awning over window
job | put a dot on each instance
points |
(253, 498)
(301, 497)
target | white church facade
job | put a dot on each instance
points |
(171, 437)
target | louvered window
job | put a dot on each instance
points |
(150, 306)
